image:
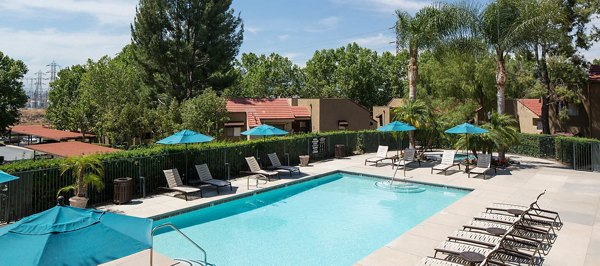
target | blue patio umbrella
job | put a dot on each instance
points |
(4, 177)
(466, 129)
(265, 131)
(186, 137)
(397, 126)
(66, 235)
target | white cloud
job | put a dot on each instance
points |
(386, 6)
(377, 41)
(117, 12)
(253, 30)
(328, 23)
(39, 48)
(292, 55)
(284, 37)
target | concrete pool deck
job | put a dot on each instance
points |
(574, 194)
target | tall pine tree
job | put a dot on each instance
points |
(186, 46)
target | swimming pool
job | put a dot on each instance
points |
(332, 220)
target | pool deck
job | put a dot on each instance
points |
(574, 194)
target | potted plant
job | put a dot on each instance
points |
(87, 171)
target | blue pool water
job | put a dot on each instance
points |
(333, 220)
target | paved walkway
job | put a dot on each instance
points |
(574, 194)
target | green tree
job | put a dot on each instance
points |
(354, 72)
(118, 97)
(205, 113)
(269, 76)
(63, 98)
(12, 95)
(187, 46)
(502, 134)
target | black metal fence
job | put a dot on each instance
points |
(36, 190)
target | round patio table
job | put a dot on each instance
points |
(472, 257)
(515, 212)
(496, 231)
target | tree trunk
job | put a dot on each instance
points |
(500, 80)
(413, 77)
(413, 74)
(546, 98)
(501, 87)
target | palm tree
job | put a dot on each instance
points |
(416, 113)
(429, 27)
(87, 171)
(502, 134)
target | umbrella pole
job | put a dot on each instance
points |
(468, 161)
(186, 164)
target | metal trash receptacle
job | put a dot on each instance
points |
(340, 151)
(123, 191)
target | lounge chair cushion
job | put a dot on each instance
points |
(255, 168)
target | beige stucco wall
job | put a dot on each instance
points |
(527, 119)
(395, 102)
(384, 112)
(315, 111)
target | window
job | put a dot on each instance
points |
(573, 110)
(233, 131)
(342, 124)
(538, 123)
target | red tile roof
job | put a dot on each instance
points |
(535, 105)
(70, 148)
(594, 74)
(44, 132)
(259, 109)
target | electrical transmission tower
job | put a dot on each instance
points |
(37, 92)
(53, 71)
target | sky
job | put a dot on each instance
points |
(71, 31)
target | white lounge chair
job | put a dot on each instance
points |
(484, 162)
(447, 162)
(206, 178)
(255, 169)
(429, 261)
(175, 184)
(381, 155)
(409, 157)
(276, 164)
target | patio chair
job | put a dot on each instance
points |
(429, 261)
(380, 156)
(175, 184)
(517, 229)
(484, 162)
(447, 162)
(276, 164)
(409, 158)
(206, 178)
(521, 222)
(519, 245)
(533, 209)
(255, 169)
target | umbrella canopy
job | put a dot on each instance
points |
(185, 137)
(4, 177)
(264, 130)
(66, 235)
(466, 128)
(396, 126)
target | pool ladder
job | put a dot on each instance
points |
(189, 262)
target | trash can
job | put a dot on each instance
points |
(123, 190)
(304, 159)
(340, 151)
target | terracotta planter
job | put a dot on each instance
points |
(79, 202)
(304, 159)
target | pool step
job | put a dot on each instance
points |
(187, 262)
(401, 187)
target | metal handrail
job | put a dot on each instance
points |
(178, 231)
